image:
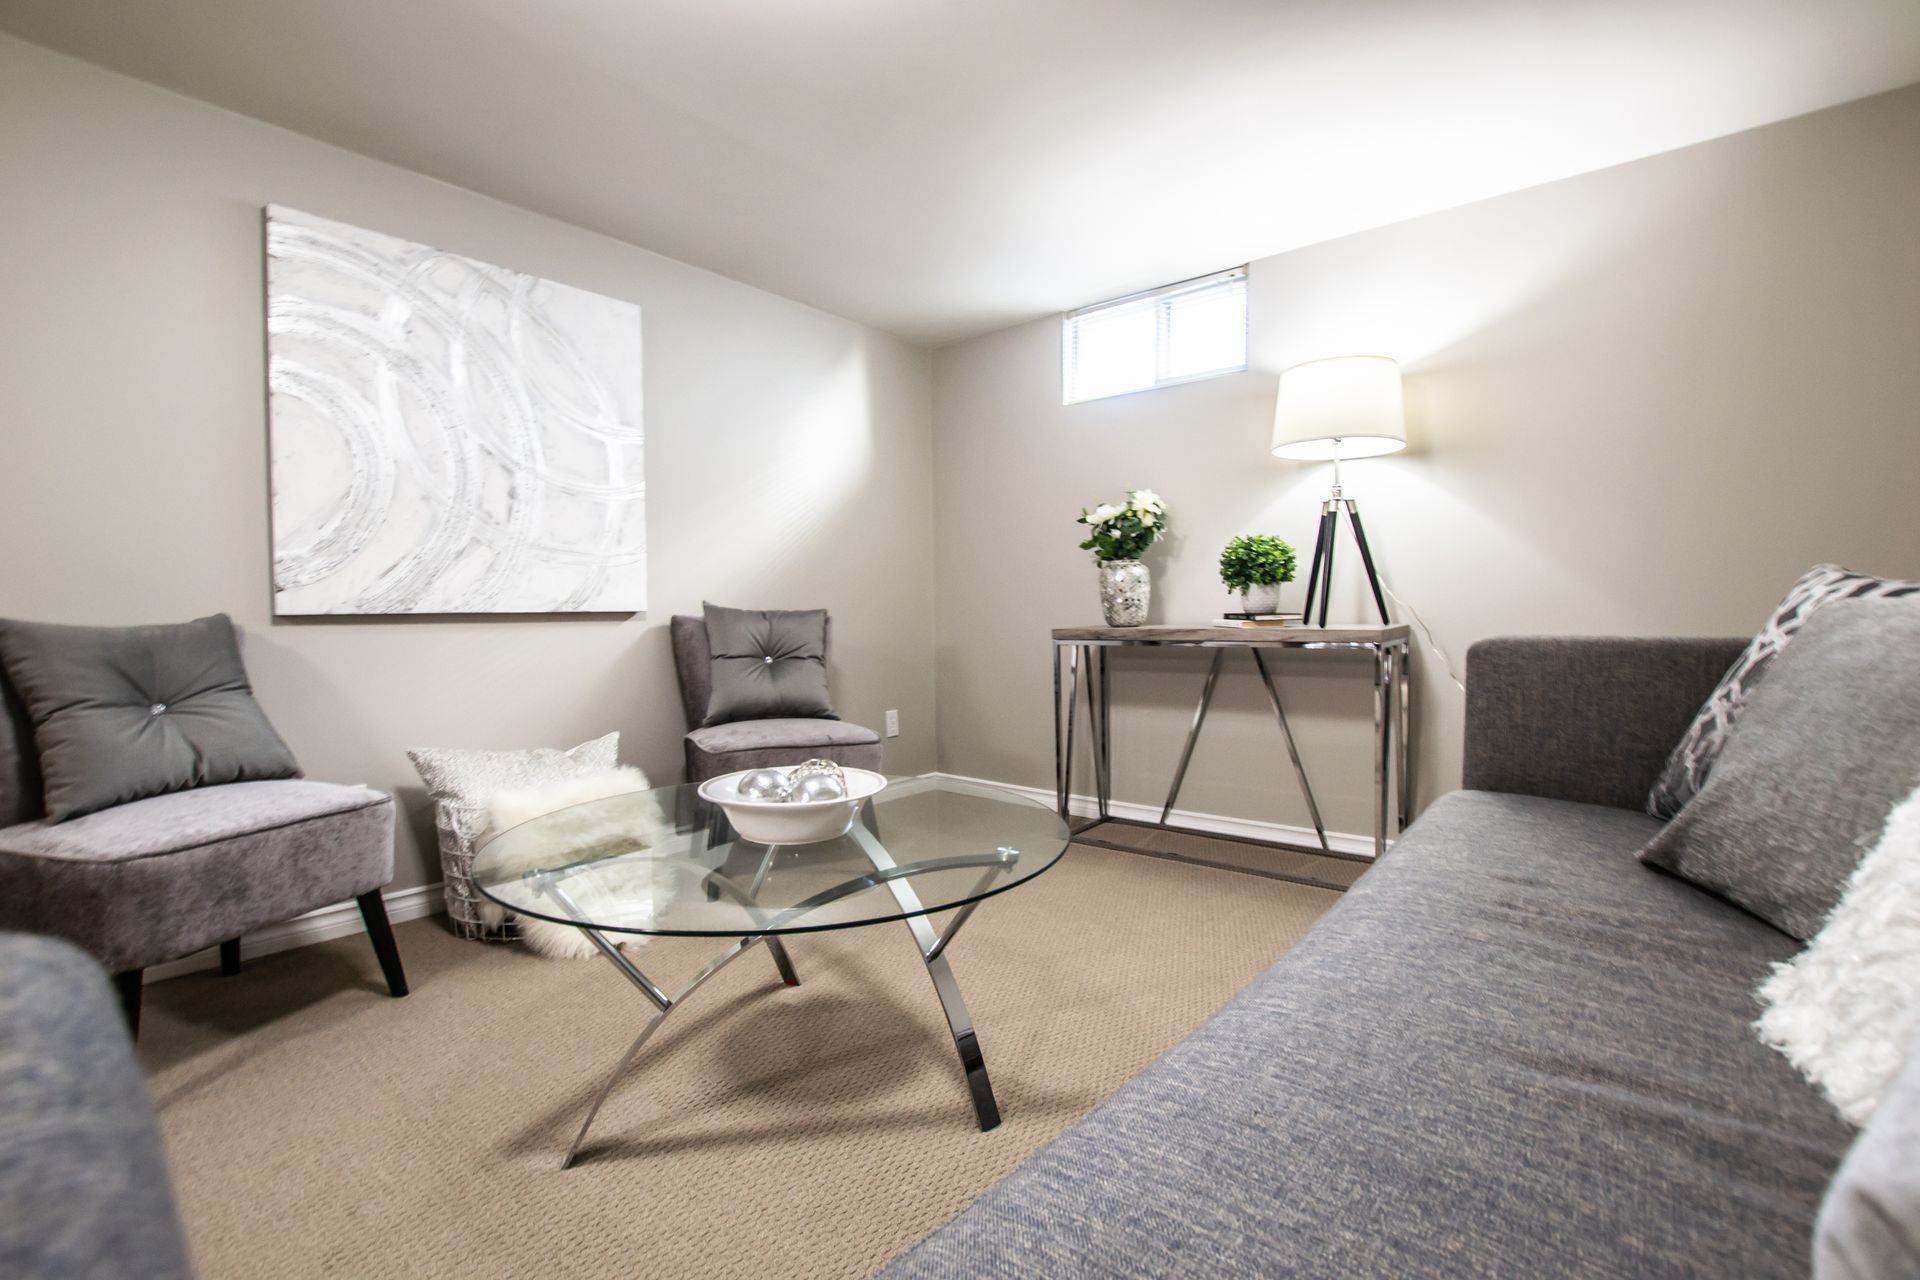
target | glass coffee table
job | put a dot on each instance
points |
(666, 862)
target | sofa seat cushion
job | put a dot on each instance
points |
(160, 878)
(1510, 1050)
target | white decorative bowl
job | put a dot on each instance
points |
(790, 822)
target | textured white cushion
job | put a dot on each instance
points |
(472, 777)
(462, 783)
(1845, 1009)
(628, 887)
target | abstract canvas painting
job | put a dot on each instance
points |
(447, 436)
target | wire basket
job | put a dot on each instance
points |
(469, 913)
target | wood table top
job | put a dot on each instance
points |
(1355, 633)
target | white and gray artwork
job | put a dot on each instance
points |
(447, 436)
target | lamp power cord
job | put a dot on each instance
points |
(1432, 644)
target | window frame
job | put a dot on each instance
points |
(1161, 298)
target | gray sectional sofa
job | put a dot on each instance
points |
(1512, 1049)
(83, 1182)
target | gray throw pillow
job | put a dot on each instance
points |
(767, 663)
(1869, 1224)
(123, 713)
(1692, 760)
(1824, 749)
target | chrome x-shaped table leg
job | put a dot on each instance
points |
(661, 1000)
(933, 950)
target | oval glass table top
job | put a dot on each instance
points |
(667, 862)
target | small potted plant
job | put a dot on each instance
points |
(1118, 536)
(1255, 564)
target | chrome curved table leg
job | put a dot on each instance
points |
(774, 945)
(739, 949)
(933, 953)
(932, 947)
(661, 1000)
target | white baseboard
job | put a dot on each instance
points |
(336, 921)
(1218, 824)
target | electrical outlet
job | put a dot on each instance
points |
(893, 724)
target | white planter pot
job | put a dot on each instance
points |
(1263, 597)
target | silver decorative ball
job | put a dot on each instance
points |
(765, 784)
(819, 786)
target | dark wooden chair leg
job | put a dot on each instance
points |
(129, 985)
(229, 957)
(373, 909)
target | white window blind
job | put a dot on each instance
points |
(1194, 329)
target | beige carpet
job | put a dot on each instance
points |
(316, 1127)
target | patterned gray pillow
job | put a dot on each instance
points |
(1692, 760)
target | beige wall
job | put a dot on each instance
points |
(1646, 399)
(788, 452)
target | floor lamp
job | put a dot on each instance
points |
(1345, 407)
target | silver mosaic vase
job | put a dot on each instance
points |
(1124, 589)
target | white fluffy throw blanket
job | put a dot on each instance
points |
(1845, 1009)
(615, 892)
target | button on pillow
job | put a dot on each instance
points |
(123, 713)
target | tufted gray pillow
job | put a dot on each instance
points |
(1825, 747)
(767, 663)
(123, 713)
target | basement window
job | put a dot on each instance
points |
(1195, 329)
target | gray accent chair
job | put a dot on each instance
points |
(1511, 1049)
(151, 881)
(754, 744)
(83, 1179)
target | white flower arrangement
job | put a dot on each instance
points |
(1125, 531)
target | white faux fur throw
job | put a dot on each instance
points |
(1845, 1009)
(615, 890)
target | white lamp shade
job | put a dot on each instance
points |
(1347, 407)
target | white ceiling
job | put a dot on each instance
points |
(941, 168)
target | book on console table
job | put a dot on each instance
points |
(1257, 620)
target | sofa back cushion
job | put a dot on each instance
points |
(1586, 718)
(123, 713)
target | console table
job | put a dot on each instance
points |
(1083, 653)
